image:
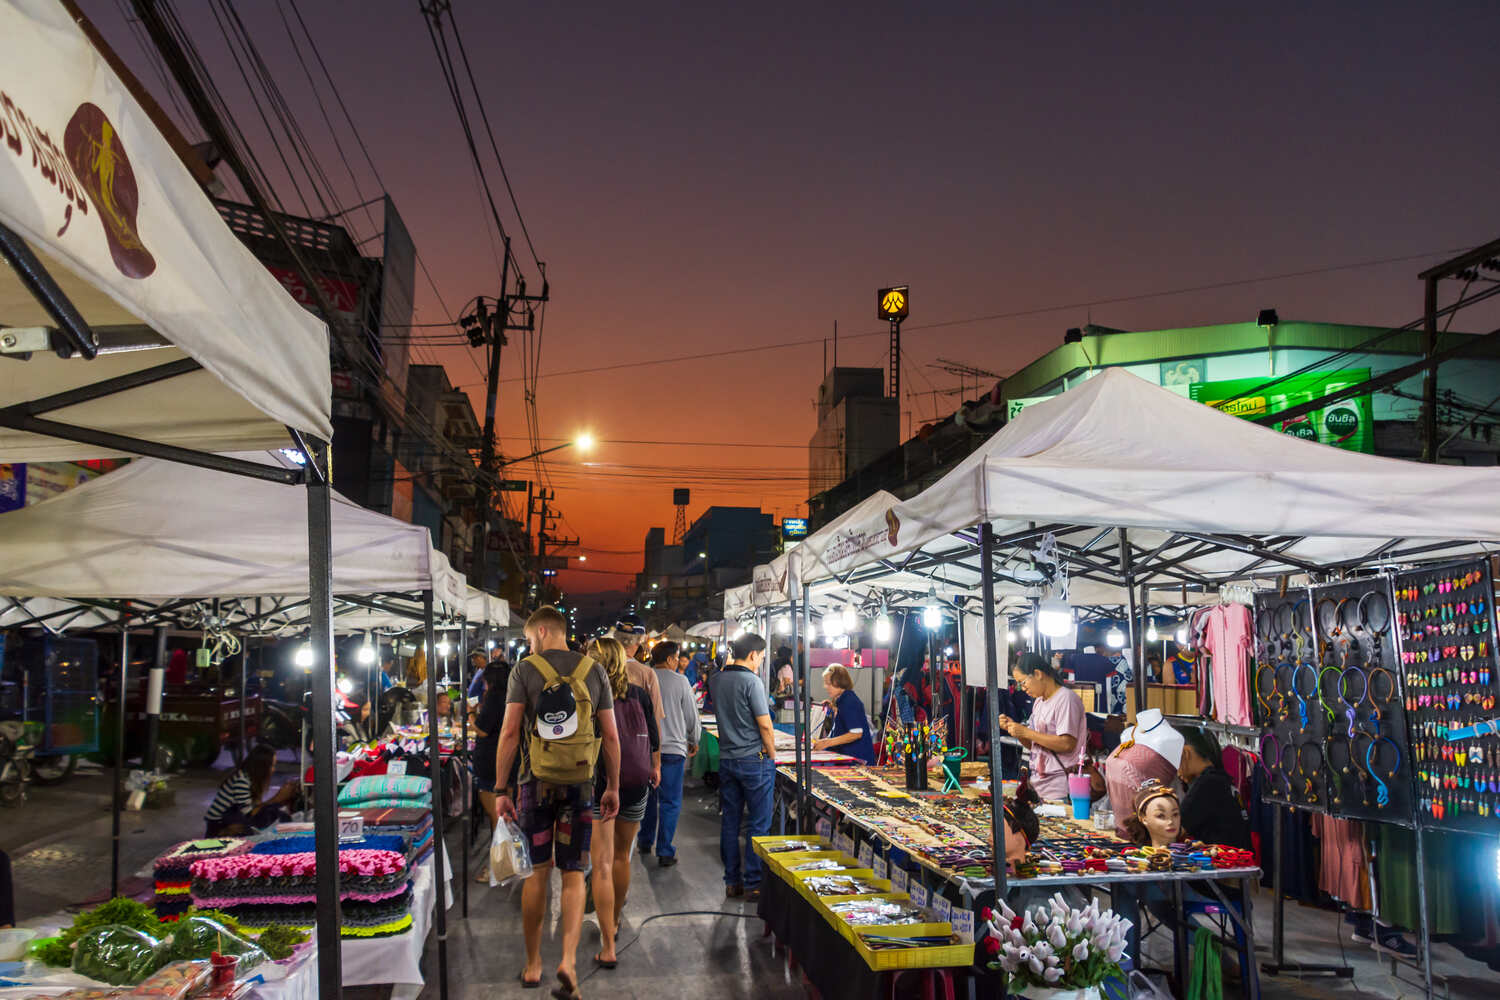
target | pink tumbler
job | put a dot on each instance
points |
(1081, 794)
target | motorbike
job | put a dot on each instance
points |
(16, 755)
(284, 723)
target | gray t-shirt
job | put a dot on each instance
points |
(739, 697)
(526, 686)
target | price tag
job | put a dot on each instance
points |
(920, 895)
(962, 920)
(899, 879)
(943, 909)
(351, 825)
(881, 868)
(825, 829)
(395, 768)
(866, 853)
(843, 842)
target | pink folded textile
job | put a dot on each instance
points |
(242, 866)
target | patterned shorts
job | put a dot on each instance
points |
(558, 821)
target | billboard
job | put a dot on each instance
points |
(793, 527)
(1349, 424)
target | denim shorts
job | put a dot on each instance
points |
(558, 821)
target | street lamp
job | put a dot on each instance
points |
(583, 442)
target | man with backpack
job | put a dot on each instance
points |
(747, 763)
(560, 702)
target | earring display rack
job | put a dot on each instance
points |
(1445, 619)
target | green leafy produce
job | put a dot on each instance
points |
(231, 925)
(116, 954)
(279, 942)
(198, 937)
(50, 951)
(119, 911)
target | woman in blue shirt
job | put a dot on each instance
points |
(850, 734)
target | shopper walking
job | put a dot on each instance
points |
(680, 731)
(486, 722)
(640, 769)
(563, 703)
(747, 763)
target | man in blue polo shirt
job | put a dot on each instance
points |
(747, 763)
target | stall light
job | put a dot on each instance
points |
(1115, 639)
(833, 624)
(512, 644)
(1054, 617)
(947, 652)
(489, 644)
(932, 618)
(443, 647)
(739, 633)
(812, 631)
(784, 625)
(304, 656)
(366, 652)
(851, 619)
(1010, 636)
(1151, 634)
(883, 629)
(1182, 636)
(346, 685)
(1025, 631)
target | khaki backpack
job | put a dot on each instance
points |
(568, 760)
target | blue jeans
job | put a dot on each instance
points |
(746, 785)
(663, 808)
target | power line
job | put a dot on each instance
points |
(1015, 314)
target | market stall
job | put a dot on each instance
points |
(1118, 486)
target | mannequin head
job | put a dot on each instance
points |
(1158, 817)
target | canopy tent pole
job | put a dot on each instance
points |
(1140, 669)
(1131, 631)
(992, 703)
(798, 721)
(244, 697)
(325, 804)
(804, 696)
(465, 771)
(435, 757)
(119, 796)
(155, 681)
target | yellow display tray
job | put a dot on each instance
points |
(759, 844)
(798, 881)
(942, 956)
(786, 860)
(824, 904)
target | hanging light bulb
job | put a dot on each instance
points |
(947, 652)
(784, 625)
(346, 685)
(489, 644)
(1151, 633)
(883, 629)
(812, 631)
(851, 619)
(1010, 636)
(443, 647)
(932, 617)
(1054, 617)
(1182, 635)
(833, 624)
(1115, 639)
(1025, 631)
(366, 654)
(304, 656)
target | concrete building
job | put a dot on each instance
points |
(857, 423)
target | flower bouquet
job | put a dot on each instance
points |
(1054, 952)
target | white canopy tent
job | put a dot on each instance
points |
(157, 530)
(112, 214)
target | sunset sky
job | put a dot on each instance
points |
(702, 181)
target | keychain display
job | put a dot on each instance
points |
(1287, 704)
(1446, 622)
(1359, 702)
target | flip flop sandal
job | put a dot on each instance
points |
(603, 964)
(567, 988)
(527, 984)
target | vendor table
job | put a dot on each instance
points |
(911, 838)
(707, 759)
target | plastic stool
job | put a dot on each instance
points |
(1221, 916)
(932, 979)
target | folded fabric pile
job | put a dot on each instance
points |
(266, 890)
(306, 843)
(173, 874)
(400, 791)
(413, 824)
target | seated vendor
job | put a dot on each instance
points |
(241, 805)
(1057, 729)
(850, 734)
(1211, 812)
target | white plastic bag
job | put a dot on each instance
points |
(510, 854)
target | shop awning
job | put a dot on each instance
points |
(221, 358)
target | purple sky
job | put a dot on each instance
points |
(700, 179)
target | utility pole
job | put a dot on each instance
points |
(484, 327)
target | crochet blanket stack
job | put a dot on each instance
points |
(265, 890)
(173, 874)
(413, 824)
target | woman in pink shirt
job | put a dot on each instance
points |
(1057, 730)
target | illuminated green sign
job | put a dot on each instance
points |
(1348, 424)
